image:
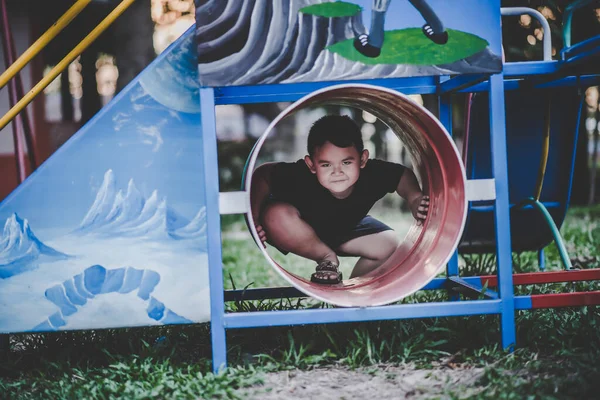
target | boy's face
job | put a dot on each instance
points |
(337, 168)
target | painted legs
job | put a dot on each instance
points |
(433, 28)
(370, 44)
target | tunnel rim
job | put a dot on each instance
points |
(299, 105)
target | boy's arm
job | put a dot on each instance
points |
(259, 191)
(409, 189)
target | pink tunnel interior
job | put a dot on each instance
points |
(426, 249)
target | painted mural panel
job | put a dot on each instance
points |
(247, 42)
(110, 231)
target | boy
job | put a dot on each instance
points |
(317, 207)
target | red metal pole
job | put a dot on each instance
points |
(554, 300)
(532, 278)
(21, 123)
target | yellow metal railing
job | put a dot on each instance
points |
(64, 63)
(39, 44)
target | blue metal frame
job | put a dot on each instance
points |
(445, 117)
(337, 315)
(295, 91)
(213, 227)
(502, 302)
(502, 212)
(516, 72)
(541, 259)
(503, 305)
(292, 292)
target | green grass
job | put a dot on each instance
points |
(410, 46)
(557, 352)
(332, 10)
(132, 378)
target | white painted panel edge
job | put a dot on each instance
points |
(233, 202)
(481, 189)
(237, 202)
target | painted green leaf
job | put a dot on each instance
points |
(332, 10)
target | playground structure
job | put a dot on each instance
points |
(495, 198)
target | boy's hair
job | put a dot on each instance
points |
(339, 130)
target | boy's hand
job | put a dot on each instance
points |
(262, 235)
(419, 208)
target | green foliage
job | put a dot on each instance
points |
(132, 378)
(332, 10)
(410, 46)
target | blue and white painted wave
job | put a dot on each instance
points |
(96, 280)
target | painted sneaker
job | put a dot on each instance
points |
(439, 38)
(361, 43)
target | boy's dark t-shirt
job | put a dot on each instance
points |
(293, 183)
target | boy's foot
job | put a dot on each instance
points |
(361, 43)
(327, 272)
(439, 38)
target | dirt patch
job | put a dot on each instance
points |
(379, 382)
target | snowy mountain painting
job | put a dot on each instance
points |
(116, 214)
(111, 230)
(20, 249)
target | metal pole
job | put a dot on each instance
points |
(64, 63)
(547, 39)
(22, 124)
(213, 224)
(445, 113)
(12, 96)
(39, 44)
(502, 210)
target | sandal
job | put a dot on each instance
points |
(326, 273)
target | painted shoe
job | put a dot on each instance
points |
(361, 43)
(439, 38)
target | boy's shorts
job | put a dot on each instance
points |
(366, 226)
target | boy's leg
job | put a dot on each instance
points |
(286, 230)
(373, 250)
(434, 28)
(370, 45)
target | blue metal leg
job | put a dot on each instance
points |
(452, 266)
(445, 117)
(452, 271)
(213, 225)
(541, 260)
(502, 214)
